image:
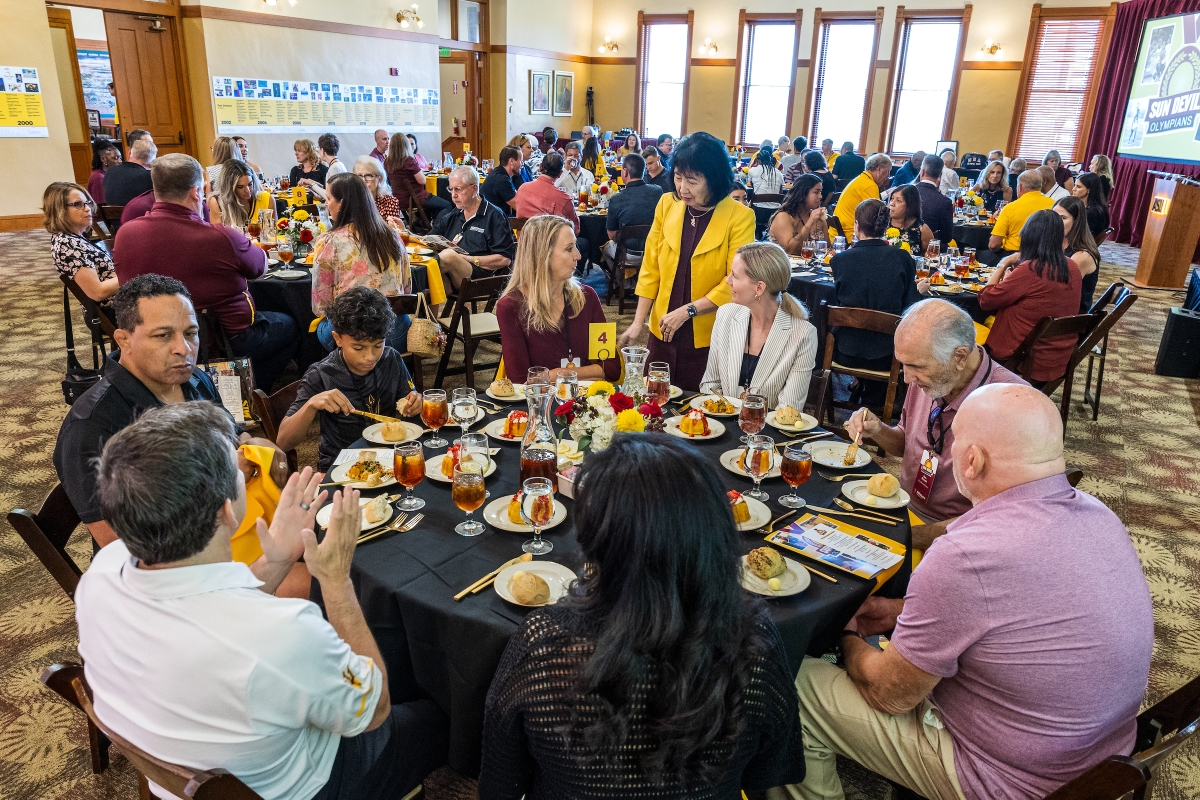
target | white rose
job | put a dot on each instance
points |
(601, 439)
(598, 403)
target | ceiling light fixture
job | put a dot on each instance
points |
(709, 48)
(410, 15)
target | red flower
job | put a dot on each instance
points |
(620, 401)
(650, 410)
(566, 411)
(282, 224)
(604, 188)
(306, 236)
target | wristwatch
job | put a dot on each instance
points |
(691, 309)
(475, 261)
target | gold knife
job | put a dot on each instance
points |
(493, 574)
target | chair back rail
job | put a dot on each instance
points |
(833, 222)
(470, 291)
(616, 269)
(1111, 779)
(271, 409)
(46, 533)
(869, 320)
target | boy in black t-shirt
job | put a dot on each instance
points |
(362, 373)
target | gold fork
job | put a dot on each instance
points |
(840, 503)
(405, 528)
(840, 478)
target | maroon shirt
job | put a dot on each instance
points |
(524, 348)
(212, 261)
(405, 184)
(1020, 301)
(140, 206)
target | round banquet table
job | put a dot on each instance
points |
(434, 646)
(812, 287)
(973, 234)
(592, 227)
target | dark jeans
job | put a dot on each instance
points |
(270, 343)
(392, 760)
(435, 205)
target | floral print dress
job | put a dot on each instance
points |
(340, 264)
(72, 253)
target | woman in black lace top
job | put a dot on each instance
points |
(67, 213)
(657, 677)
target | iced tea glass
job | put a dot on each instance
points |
(468, 493)
(409, 468)
(537, 508)
(796, 469)
(435, 413)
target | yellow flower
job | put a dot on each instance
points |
(630, 421)
(299, 215)
(904, 246)
(892, 232)
(595, 187)
(600, 387)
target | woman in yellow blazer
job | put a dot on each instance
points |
(696, 232)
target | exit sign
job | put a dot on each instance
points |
(444, 52)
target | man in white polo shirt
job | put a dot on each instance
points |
(194, 661)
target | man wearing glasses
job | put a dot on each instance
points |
(935, 342)
(480, 232)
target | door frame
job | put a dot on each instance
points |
(474, 125)
(168, 9)
(81, 152)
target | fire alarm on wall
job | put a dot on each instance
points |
(393, 71)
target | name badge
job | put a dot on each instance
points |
(457, 239)
(569, 362)
(601, 336)
(477, 230)
(926, 474)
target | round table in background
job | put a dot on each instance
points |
(972, 234)
(447, 650)
(592, 226)
(294, 298)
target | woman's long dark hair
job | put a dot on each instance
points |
(378, 241)
(660, 588)
(591, 154)
(702, 153)
(912, 204)
(1042, 245)
(1080, 236)
(1097, 193)
(796, 202)
(765, 157)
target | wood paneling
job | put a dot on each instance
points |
(148, 78)
(1000, 65)
(281, 21)
(20, 222)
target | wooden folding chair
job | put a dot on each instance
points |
(271, 409)
(621, 267)
(832, 221)
(518, 225)
(111, 217)
(407, 304)
(418, 221)
(68, 681)
(868, 320)
(46, 533)
(820, 393)
(1104, 234)
(1095, 346)
(1021, 361)
(214, 343)
(469, 328)
(98, 323)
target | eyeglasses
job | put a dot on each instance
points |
(80, 204)
(935, 419)
(457, 189)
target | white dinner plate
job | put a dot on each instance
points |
(419, 251)
(857, 491)
(698, 402)
(760, 515)
(479, 414)
(495, 514)
(519, 397)
(830, 454)
(290, 274)
(433, 468)
(340, 473)
(326, 511)
(715, 429)
(557, 577)
(795, 580)
(729, 460)
(495, 429)
(374, 433)
(807, 423)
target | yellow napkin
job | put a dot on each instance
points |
(500, 373)
(437, 290)
(981, 333)
(431, 184)
(312, 326)
(262, 497)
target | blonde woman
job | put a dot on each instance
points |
(223, 149)
(545, 315)
(1102, 166)
(67, 211)
(761, 342)
(993, 186)
(236, 198)
(308, 163)
(528, 146)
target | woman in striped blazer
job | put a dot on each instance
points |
(762, 340)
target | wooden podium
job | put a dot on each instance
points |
(1172, 230)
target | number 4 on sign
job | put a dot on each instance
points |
(602, 337)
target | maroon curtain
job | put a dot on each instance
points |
(1131, 199)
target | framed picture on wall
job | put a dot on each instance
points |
(540, 90)
(564, 93)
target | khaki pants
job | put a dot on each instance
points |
(911, 749)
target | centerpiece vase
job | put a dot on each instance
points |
(539, 448)
(635, 369)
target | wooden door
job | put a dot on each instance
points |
(147, 77)
(62, 37)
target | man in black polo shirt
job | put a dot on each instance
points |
(849, 164)
(633, 205)
(498, 187)
(131, 177)
(158, 339)
(476, 227)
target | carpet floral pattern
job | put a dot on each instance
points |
(1142, 458)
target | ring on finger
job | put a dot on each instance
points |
(305, 506)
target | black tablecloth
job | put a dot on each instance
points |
(592, 226)
(294, 298)
(812, 289)
(449, 650)
(443, 188)
(972, 235)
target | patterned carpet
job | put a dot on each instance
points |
(1142, 458)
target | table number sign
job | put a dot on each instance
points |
(602, 338)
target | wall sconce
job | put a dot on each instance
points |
(991, 48)
(709, 48)
(291, 3)
(609, 46)
(410, 15)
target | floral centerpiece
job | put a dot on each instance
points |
(896, 239)
(593, 420)
(300, 229)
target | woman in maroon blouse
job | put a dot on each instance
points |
(407, 179)
(1044, 283)
(545, 315)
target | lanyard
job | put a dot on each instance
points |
(935, 415)
(566, 332)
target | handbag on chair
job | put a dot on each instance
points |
(78, 379)
(426, 338)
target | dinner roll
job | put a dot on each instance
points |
(883, 485)
(765, 562)
(529, 589)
